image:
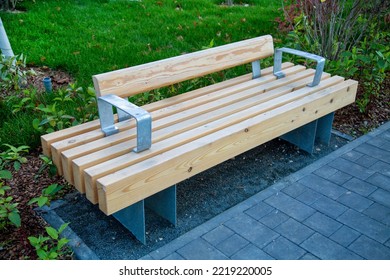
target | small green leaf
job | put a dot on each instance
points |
(14, 218)
(33, 200)
(62, 227)
(52, 232)
(62, 242)
(42, 254)
(5, 174)
(17, 165)
(42, 200)
(33, 240)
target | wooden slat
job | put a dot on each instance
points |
(180, 121)
(168, 106)
(141, 78)
(129, 185)
(247, 109)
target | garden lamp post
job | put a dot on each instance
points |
(5, 46)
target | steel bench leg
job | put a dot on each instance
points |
(305, 137)
(133, 216)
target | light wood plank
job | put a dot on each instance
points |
(141, 78)
(129, 185)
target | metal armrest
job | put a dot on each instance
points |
(278, 63)
(126, 110)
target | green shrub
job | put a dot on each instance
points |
(9, 213)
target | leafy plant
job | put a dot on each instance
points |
(47, 164)
(25, 103)
(46, 196)
(13, 154)
(52, 119)
(50, 247)
(9, 213)
(12, 72)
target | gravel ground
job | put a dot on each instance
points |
(199, 199)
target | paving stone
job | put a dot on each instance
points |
(309, 196)
(352, 155)
(290, 206)
(326, 249)
(365, 225)
(309, 257)
(381, 196)
(351, 168)
(251, 252)
(274, 219)
(252, 230)
(322, 186)
(361, 187)
(381, 167)
(283, 249)
(378, 212)
(323, 224)
(370, 249)
(375, 152)
(385, 135)
(345, 236)
(380, 142)
(339, 178)
(380, 180)
(325, 171)
(232, 245)
(294, 231)
(147, 258)
(199, 249)
(174, 256)
(259, 210)
(329, 207)
(294, 190)
(355, 201)
(366, 161)
(218, 234)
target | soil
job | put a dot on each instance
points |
(276, 158)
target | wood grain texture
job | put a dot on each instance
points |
(132, 184)
(141, 78)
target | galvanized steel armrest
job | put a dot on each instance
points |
(125, 111)
(278, 63)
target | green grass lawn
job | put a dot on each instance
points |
(87, 37)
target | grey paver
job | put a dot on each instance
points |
(252, 230)
(378, 212)
(360, 187)
(380, 142)
(355, 201)
(326, 249)
(381, 196)
(232, 245)
(308, 257)
(174, 256)
(366, 161)
(370, 249)
(329, 207)
(294, 231)
(251, 252)
(274, 219)
(352, 155)
(259, 210)
(375, 152)
(323, 186)
(283, 249)
(199, 249)
(381, 167)
(351, 168)
(218, 234)
(322, 223)
(380, 180)
(294, 190)
(290, 206)
(309, 196)
(345, 236)
(325, 171)
(365, 225)
(339, 178)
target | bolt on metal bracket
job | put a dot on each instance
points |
(278, 63)
(125, 110)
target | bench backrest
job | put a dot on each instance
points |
(133, 80)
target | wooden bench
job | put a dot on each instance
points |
(137, 160)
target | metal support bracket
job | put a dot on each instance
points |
(278, 63)
(256, 69)
(133, 216)
(125, 110)
(305, 137)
